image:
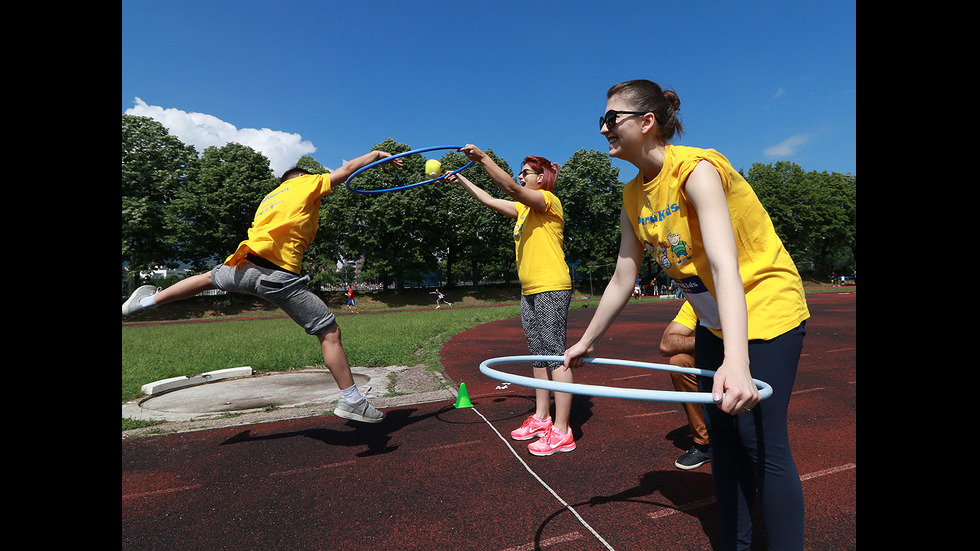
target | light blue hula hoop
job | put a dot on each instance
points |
(397, 155)
(607, 391)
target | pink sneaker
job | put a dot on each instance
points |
(552, 442)
(532, 427)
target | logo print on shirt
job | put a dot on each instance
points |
(678, 247)
(658, 216)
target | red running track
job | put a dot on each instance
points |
(435, 477)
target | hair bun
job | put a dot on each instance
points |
(672, 99)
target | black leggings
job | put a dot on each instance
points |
(750, 452)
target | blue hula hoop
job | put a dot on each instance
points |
(765, 390)
(395, 156)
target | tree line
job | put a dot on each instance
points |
(179, 207)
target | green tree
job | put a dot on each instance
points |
(592, 197)
(155, 166)
(477, 240)
(394, 231)
(833, 239)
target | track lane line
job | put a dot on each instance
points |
(543, 483)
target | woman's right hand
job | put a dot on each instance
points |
(574, 355)
(472, 152)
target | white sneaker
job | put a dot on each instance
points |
(132, 304)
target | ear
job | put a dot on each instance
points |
(649, 123)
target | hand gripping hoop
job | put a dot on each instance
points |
(765, 390)
(404, 154)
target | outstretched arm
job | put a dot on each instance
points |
(341, 175)
(502, 206)
(530, 197)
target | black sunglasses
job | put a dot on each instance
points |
(609, 119)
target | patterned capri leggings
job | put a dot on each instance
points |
(544, 317)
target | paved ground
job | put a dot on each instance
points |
(433, 476)
(281, 395)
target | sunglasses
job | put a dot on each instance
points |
(526, 171)
(609, 119)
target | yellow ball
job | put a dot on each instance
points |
(433, 168)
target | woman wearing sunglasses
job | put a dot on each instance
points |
(706, 228)
(546, 287)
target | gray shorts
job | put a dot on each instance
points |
(286, 290)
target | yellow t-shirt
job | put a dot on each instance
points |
(538, 244)
(285, 222)
(686, 316)
(668, 227)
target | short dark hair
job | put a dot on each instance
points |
(293, 173)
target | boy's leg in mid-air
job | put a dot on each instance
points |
(148, 297)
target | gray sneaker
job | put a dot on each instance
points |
(360, 410)
(132, 304)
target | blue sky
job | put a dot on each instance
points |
(760, 81)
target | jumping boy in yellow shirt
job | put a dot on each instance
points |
(268, 265)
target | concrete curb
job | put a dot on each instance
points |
(176, 383)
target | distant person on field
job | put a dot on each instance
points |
(268, 265)
(350, 300)
(439, 297)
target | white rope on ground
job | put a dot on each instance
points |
(543, 483)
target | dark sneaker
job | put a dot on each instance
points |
(360, 410)
(693, 458)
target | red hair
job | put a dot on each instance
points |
(547, 170)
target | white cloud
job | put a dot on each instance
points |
(282, 148)
(788, 147)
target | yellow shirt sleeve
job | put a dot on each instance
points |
(686, 316)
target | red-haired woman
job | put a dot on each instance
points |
(546, 287)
